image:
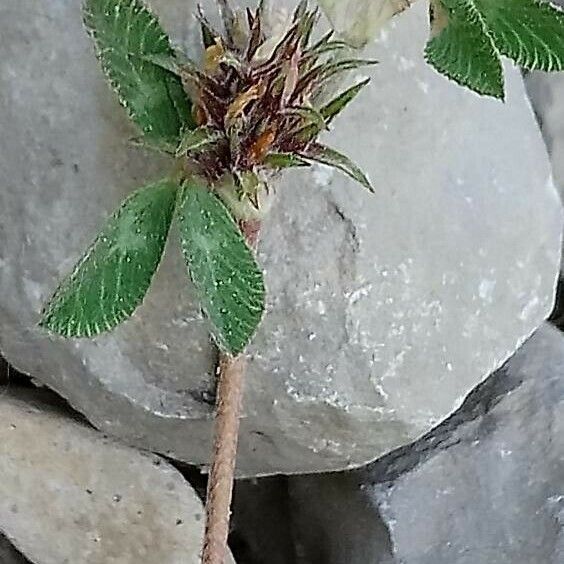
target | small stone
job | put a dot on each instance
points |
(50, 462)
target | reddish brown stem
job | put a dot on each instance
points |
(231, 373)
(220, 482)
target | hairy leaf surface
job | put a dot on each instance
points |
(531, 32)
(223, 268)
(461, 48)
(112, 278)
(127, 35)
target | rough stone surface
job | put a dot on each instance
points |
(485, 487)
(493, 491)
(68, 495)
(546, 91)
(384, 311)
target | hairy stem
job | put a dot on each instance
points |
(231, 373)
(220, 483)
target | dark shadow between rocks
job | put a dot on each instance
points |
(477, 403)
(15, 383)
(9, 554)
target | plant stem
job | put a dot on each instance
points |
(231, 373)
(220, 482)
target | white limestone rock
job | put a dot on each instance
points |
(384, 310)
(69, 495)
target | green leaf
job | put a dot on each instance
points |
(154, 145)
(531, 32)
(165, 61)
(174, 62)
(112, 278)
(126, 35)
(336, 106)
(196, 140)
(329, 112)
(330, 157)
(284, 160)
(461, 48)
(223, 268)
(311, 116)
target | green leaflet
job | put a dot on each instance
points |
(309, 115)
(112, 278)
(196, 140)
(224, 270)
(471, 35)
(338, 104)
(326, 155)
(126, 34)
(284, 160)
(331, 110)
(462, 50)
(530, 32)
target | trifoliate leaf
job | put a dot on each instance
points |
(126, 34)
(461, 48)
(531, 32)
(330, 157)
(223, 268)
(112, 278)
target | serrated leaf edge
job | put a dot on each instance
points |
(121, 315)
(215, 332)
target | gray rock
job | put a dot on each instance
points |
(485, 487)
(69, 495)
(384, 311)
(546, 91)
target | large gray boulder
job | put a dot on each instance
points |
(492, 490)
(384, 311)
(69, 495)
